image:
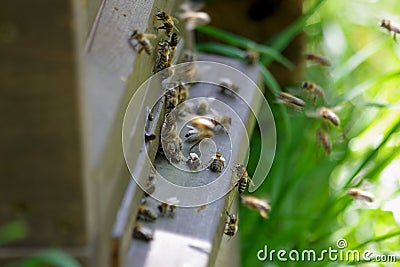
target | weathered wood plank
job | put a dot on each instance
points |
(191, 237)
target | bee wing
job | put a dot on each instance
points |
(312, 114)
(149, 35)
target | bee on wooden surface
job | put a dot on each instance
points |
(183, 92)
(241, 172)
(291, 101)
(313, 90)
(162, 57)
(324, 140)
(218, 162)
(173, 43)
(251, 56)
(227, 85)
(387, 24)
(192, 17)
(202, 207)
(202, 107)
(328, 115)
(231, 224)
(168, 22)
(147, 214)
(142, 233)
(171, 99)
(257, 204)
(360, 194)
(142, 40)
(193, 161)
(150, 186)
(168, 207)
(318, 59)
(224, 120)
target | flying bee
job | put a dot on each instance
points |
(192, 17)
(193, 161)
(313, 89)
(168, 207)
(173, 43)
(162, 57)
(291, 101)
(227, 85)
(142, 233)
(142, 40)
(231, 224)
(168, 22)
(319, 59)
(218, 162)
(146, 214)
(171, 100)
(324, 140)
(241, 172)
(387, 24)
(251, 56)
(257, 204)
(328, 115)
(360, 194)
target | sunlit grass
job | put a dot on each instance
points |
(307, 191)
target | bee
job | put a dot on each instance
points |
(319, 59)
(173, 43)
(257, 204)
(218, 162)
(291, 100)
(200, 128)
(227, 85)
(313, 89)
(231, 224)
(193, 161)
(146, 214)
(329, 115)
(183, 92)
(359, 194)
(142, 40)
(188, 56)
(173, 148)
(168, 207)
(162, 57)
(142, 233)
(202, 108)
(202, 207)
(324, 140)
(150, 186)
(171, 100)
(241, 172)
(192, 17)
(149, 136)
(251, 56)
(168, 22)
(387, 24)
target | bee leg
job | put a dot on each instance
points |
(140, 50)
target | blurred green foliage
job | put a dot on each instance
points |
(307, 191)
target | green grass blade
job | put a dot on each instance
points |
(356, 60)
(361, 88)
(225, 50)
(287, 35)
(378, 239)
(244, 43)
(269, 80)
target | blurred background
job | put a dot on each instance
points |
(307, 188)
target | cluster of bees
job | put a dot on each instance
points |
(147, 213)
